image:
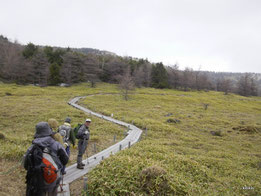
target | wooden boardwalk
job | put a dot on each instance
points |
(72, 173)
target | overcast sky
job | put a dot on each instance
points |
(215, 35)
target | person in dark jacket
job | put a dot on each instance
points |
(43, 140)
(83, 135)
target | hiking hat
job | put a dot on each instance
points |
(88, 120)
(53, 123)
(68, 120)
(42, 129)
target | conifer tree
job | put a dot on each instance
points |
(159, 78)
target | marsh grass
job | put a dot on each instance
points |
(24, 106)
(193, 160)
(197, 162)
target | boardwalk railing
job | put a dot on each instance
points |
(72, 173)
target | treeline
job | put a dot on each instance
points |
(47, 65)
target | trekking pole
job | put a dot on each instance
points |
(61, 185)
(87, 161)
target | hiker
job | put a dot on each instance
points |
(43, 162)
(68, 137)
(56, 135)
(83, 135)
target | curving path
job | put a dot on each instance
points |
(72, 173)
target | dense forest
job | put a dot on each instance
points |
(45, 65)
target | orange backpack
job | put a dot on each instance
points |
(51, 170)
(43, 164)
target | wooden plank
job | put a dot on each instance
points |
(72, 173)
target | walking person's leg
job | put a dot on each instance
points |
(67, 149)
(84, 149)
(80, 154)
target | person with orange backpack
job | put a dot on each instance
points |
(43, 161)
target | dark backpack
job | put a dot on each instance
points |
(76, 129)
(43, 168)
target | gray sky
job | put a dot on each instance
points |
(215, 35)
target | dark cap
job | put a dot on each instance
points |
(68, 120)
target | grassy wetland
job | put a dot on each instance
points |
(22, 107)
(196, 143)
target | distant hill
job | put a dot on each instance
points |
(93, 51)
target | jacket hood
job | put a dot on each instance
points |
(44, 141)
(42, 129)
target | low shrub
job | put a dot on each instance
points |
(216, 133)
(154, 181)
(2, 136)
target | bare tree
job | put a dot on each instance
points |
(126, 84)
(247, 85)
(11, 65)
(253, 86)
(174, 76)
(139, 77)
(91, 68)
(187, 79)
(226, 86)
(203, 82)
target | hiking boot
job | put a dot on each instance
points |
(83, 164)
(80, 166)
(64, 172)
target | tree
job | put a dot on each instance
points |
(138, 77)
(159, 78)
(91, 69)
(225, 86)
(247, 85)
(40, 69)
(30, 50)
(142, 73)
(126, 84)
(202, 82)
(174, 76)
(253, 86)
(71, 71)
(54, 77)
(11, 64)
(54, 56)
(112, 68)
(187, 79)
